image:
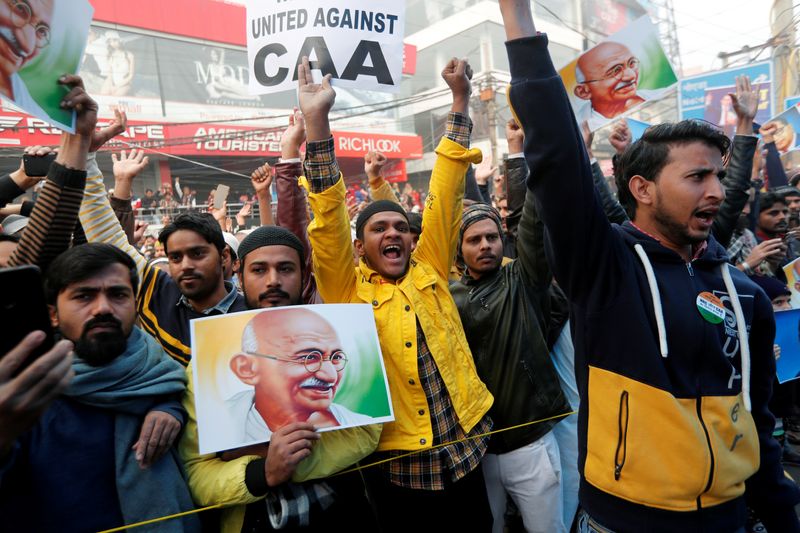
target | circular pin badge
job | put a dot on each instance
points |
(710, 307)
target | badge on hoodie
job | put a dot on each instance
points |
(711, 308)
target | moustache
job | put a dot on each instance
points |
(102, 320)
(271, 293)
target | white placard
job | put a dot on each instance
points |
(358, 42)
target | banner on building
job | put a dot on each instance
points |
(358, 42)
(618, 75)
(256, 371)
(39, 57)
(705, 96)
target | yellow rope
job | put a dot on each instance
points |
(194, 511)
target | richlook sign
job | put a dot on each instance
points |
(256, 371)
(358, 42)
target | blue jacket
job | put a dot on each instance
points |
(666, 440)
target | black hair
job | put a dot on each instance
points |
(9, 237)
(200, 223)
(794, 180)
(648, 156)
(82, 262)
(767, 200)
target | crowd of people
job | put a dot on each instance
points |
(564, 351)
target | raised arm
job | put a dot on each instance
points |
(441, 219)
(97, 217)
(55, 214)
(620, 139)
(329, 232)
(379, 189)
(739, 171)
(775, 172)
(578, 231)
(292, 204)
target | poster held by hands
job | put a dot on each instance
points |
(358, 42)
(257, 371)
(39, 42)
(618, 75)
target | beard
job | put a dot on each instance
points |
(676, 231)
(101, 348)
(255, 303)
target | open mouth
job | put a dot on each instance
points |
(706, 216)
(315, 384)
(392, 251)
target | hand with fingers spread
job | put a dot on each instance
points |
(485, 170)
(287, 447)
(114, 128)
(316, 101)
(745, 104)
(515, 137)
(373, 165)
(620, 137)
(159, 431)
(293, 136)
(127, 165)
(19, 176)
(24, 397)
(457, 74)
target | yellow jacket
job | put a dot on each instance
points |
(213, 481)
(422, 294)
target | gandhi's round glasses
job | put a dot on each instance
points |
(21, 14)
(617, 70)
(311, 360)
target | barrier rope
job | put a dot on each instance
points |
(356, 469)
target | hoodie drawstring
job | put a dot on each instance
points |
(654, 292)
(741, 328)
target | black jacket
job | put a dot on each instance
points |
(505, 317)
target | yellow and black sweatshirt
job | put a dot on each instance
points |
(673, 360)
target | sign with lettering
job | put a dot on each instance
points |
(359, 43)
(694, 92)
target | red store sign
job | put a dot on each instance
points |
(209, 139)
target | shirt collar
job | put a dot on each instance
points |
(222, 307)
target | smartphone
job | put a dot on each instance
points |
(23, 309)
(220, 195)
(38, 165)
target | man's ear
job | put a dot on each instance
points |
(582, 91)
(225, 255)
(53, 315)
(246, 368)
(359, 246)
(642, 190)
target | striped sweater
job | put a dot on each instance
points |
(158, 301)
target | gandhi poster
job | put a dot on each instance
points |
(39, 42)
(358, 42)
(257, 371)
(792, 272)
(618, 75)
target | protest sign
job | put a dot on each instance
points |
(359, 42)
(787, 344)
(41, 42)
(791, 101)
(788, 124)
(792, 272)
(256, 371)
(618, 75)
(692, 98)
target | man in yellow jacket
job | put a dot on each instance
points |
(439, 402)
